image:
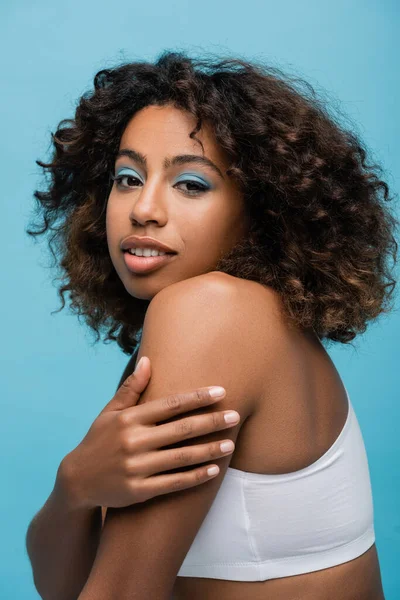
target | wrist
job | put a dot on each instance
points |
(67, 489)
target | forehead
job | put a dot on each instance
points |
(165, 130)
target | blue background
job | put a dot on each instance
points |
(54, 382)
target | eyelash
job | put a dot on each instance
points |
(203, 188)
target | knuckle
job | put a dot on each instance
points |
(126, 384)
(130, 466)
(127, 444)
(216, 419)
(133, 443)
(172, 403)
(214, 450)
(138, 491)
(177, 484)
(183, 428)
(181, 457)
(199, 397)
(123, 419)
(198, 475)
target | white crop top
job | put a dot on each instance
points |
(268, 526)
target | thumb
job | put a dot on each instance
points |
(141, 376)
(130, 390)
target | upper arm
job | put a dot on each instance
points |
(195, 334)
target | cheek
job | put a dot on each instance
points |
(112, 216)
(110, 208)
(111, 227)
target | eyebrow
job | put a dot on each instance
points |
(180, 159)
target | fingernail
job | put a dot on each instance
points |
(231, 417)
(226, 446)
(212, 471)
(138, 366)
(217, 392)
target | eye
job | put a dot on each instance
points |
(119, 178)
(198, 187)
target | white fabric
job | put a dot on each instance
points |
(268, 526)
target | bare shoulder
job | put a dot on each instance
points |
(240, 293)
(241, 317)
(262, 316)
(250, 304)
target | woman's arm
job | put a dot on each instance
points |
(195, 331)
(62, 542)
(63, 538)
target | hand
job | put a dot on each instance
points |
(118, 463)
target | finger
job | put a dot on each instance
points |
(165, 484)
(129, 392)
(170, 406)
(188, 427)
(178, 458)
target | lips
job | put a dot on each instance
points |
(135, 241)
(158, 249)
(145, 264)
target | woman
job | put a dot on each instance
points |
(273, 237)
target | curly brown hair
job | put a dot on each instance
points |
(320, 232)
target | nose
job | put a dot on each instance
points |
(148, 206)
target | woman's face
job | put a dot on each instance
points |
(193, 208)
